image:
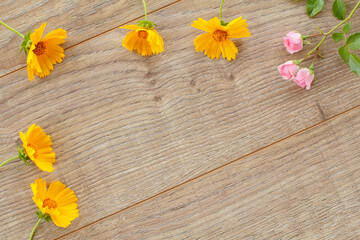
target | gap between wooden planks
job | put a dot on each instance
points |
(213, 170)
(10, 51)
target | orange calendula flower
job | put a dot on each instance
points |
(57, 203)
(44, 52)
(216, 40)
(145, 40)
(37, 148)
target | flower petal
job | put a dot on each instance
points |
(39, 189)
(55, 188)
(237, 28)
(37, 34)
(207, 26)
(56, 36)
(228, 49)
(66, 197)
(130, 27)
(203, 41)
(44, 166)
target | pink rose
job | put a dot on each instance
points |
(288, 70)
(304, 78)
(293, 42)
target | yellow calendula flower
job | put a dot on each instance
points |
(145, 40)
(37, 147)
(57, 203)
(44, 52)
(216, 40)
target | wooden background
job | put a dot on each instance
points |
(179, 146)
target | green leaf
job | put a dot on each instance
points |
(339, 9)
(353, 41)
(347, 28)
(313, 7)
(337, 37)
(344, 54)
(354, 63)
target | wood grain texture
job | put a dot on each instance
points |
(306, 187)
(82, 19)
(126, 127)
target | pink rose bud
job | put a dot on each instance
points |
(304, 78)
(288, 70)
(293, 42)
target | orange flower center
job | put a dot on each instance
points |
(143, 34)
(220, 35)
(49, 203)
(32, 150)
(39, 48)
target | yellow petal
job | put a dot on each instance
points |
(139, 45)
(43, 65)
(30, 131)
(70, 211)
(45, 150)
(34, 132)
(36, 66)
(130, 27)
(203, 41)
(207, 26)
(22, 137)
(31, 54)
(37, 34)
(60, 221)
(66, 197)
(155, 42)
(56, 36)
(130, 40)
(44, 166)
(237, 28)
(228, 49)
(212, 49)
(30, 73)
(145, 48)
(39, 189)
(55, 188)
(55, 54)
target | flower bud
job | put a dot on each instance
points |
(288, 70)
(293, 42)
(304, 78)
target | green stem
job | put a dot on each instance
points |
(315, 35)
(11, 29)
(315, 56)
(221, 6)
(345, 39)
(145, 9)
(8, 161)
(33, 231)
(332, 30)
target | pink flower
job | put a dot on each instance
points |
(288, 70)
(304, 78)
(293, 42)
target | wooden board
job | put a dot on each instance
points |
(306, 187)
(82, 19)
(126, 128)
